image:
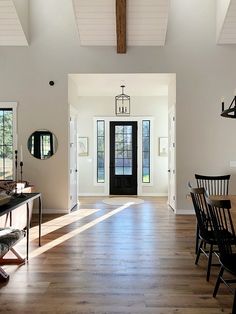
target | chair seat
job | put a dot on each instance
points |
(209, 236)
(8, 238)
(229, 263)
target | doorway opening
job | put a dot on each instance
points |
(116, 163)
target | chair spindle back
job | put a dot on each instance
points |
(214, 185)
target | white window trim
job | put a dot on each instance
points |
(107, 121)
(13, 106)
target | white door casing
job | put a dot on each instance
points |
(172, 158)
(73, 162)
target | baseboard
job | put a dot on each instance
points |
(104, 194)
(184, 212)
(92, 194)
(51, 211)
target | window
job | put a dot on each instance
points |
(146, 151)
(100, 151)
(123, 150)
(6, 143)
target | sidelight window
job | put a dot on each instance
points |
(100, 151)
(146, 151)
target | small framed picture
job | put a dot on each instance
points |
(83, 146)
(163, 146)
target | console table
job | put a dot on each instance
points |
(15, 202)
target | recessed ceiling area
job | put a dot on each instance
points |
(137, 84)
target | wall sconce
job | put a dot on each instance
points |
(231, 111)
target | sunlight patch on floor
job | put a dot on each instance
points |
(62, 221)
(75, 232)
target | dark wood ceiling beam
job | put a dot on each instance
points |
(121, 25)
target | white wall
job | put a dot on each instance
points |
(90, 107)
(205, 72)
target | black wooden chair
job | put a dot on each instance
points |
(214, 185)
(204, 232)
(222, 225)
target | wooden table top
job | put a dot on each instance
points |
(230, 197)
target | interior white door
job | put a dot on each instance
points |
(73, 162)
(172, 158)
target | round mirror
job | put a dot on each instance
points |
(42, 144)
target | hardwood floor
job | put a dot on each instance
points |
(103, 259)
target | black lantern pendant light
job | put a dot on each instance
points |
(122, 103)
(231, 111)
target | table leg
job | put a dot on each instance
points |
(27, 232)
(197, 238)
(40, 219)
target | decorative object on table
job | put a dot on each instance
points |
(4, 198)
(16, 171)
(12, 188)
(122, 103)
(231, 111)
(42, 144)
(163, 146)
(21, 179)
(7, 187)
(83, 146)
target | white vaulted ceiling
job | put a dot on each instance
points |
(226, 15)
(11, 30)
(146, 22)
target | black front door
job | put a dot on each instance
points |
(123, 158)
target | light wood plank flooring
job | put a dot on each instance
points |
(103, 259)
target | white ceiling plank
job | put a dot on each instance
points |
(146, 22)
(11, 31)
(227, 33)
